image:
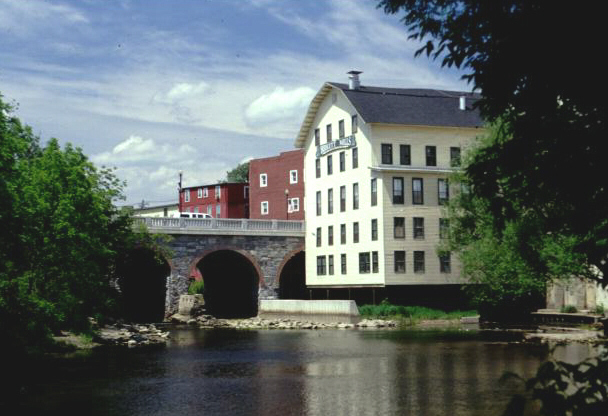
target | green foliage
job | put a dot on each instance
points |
(62, 237)
(599, 309)
(240, 174)
(197, 287)
(565, 389)
(387, 310)
(568, 309)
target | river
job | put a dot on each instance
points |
(272, 372)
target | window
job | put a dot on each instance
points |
(387, 154)
(355, 196)
(263, 180)
(246, 192)
(317, 137)
(328, 130)
(444, 262)
(330, 235)
(205, 192)
(399, 227)
(319, 235)
(443, 191)
(375, 262)
(218, 192)
(342, 233)
(209, 209)
(417, 191)
(218, 211)
(293, 204)
(418, 227)
(444, 228)
(341, 128)
(354, 123)
(399, 261)
(320, 265)
(330, 165)
(454, 156)
(343, 263)
(405, 157)
(398, 191)
(342, 198)
(374, 229)
(187, 195)
(364, 262)
(293, 176)
(199, 193)
(342, 161)
(431, 156)
(355, 232)
(330, 201)
(330, 264)
(318, 168)
(318, 203)
(355, 158)
(418, 261)
(264, 207)
(374, 189)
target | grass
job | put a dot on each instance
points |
(413, 313)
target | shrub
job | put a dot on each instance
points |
(196, 288)
(568, 309)
(599, 309)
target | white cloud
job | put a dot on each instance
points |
(26, 17)
(182, 91)
(279, 105)
(137, 149)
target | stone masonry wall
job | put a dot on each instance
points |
(267, 253)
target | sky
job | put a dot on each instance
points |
(153, 87)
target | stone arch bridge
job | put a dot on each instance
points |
(263, 247)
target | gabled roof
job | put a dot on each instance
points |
(410, 106)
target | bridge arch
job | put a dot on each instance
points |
(291, 276)
(232, 279)
(142, 281)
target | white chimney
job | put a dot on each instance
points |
(463, 103)
(353, 80)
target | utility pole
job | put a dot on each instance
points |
(179, 193)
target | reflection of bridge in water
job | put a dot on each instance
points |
(241, 260)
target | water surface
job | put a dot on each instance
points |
(271, 372)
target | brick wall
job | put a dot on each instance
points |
(277, 170)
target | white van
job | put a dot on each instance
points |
(194, 215)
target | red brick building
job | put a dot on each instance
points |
(222, 200)
(277, 187)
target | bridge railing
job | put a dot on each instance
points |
(227, 224)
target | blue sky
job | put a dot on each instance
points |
(153, 87)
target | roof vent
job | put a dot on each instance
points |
(353, 80)
(463, 103)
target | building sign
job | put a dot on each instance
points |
(343, 143)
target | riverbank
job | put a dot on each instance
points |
(130, 335)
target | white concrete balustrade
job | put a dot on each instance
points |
(221, 226)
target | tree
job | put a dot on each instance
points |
(240, 174)
(538, 69)
(62, 236)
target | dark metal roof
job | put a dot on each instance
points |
(421, 107)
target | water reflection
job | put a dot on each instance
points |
(325, 372)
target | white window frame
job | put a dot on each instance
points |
(199, 193)
(264, 207)
(293, 176)
(218, 210)
(186, 195)
(205, 192)
(293, 205)
(263, 180)
(218, 192)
